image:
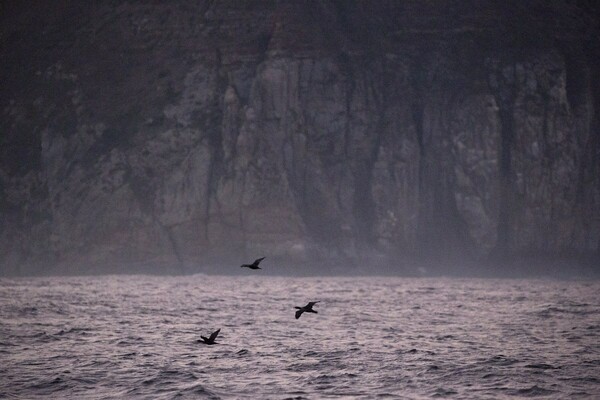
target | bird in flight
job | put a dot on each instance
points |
(254, 265)
(306, 308)
(211, 339)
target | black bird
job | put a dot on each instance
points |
(211, 339)
(254, 265)
(306, 308)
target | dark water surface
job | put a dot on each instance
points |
(135, 336)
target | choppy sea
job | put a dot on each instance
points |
(376, 337)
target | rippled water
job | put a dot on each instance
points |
(135, 336)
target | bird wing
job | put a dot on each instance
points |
(312, 303)
(257, 261)
(299, 313)
(214, 335)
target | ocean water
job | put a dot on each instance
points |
(136, 337)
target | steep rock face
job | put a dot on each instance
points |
(181, 135)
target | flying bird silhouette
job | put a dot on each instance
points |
(306, 308)
(254, 265)
(211, 339)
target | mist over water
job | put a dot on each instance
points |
(426, 139)
(135, 336)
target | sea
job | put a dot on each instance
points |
(137, 336)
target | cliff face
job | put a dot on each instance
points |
(185, 134)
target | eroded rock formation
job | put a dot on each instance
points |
(175, 136)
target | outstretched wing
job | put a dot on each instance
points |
(312, 303)
(299, 313)
(214, 335)
(257, 261)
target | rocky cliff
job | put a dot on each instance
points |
(175, 136)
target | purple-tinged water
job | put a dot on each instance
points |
(136, 336)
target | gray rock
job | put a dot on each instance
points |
(179, 137)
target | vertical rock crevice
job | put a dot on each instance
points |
(212, 126)
(417, 82)
(503, 86)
